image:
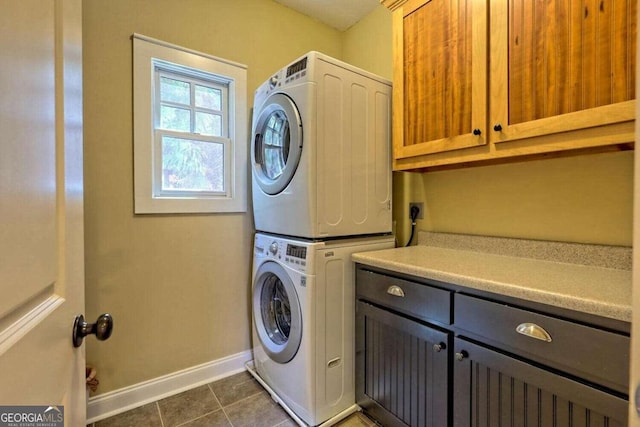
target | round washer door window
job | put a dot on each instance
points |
(277, 143)
(276, 312)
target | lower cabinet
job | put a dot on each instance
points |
(492, 389)
(481, 362)
(402, 375)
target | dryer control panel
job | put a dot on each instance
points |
(296, 254)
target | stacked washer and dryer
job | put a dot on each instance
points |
(321, 175)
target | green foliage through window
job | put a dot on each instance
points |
(194, 108)
(189, 165)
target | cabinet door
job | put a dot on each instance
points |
(440, 76)
(562, 66)
(492, 389)
(401, 369)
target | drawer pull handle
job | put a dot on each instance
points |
(395, 291)
(534, 331)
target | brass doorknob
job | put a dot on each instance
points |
(101, 329)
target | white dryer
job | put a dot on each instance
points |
(320, 151)
(303, 321)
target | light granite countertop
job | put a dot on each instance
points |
(595, 290)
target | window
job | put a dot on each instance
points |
(190, 130)
(191, 135)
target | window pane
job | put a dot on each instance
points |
(173, 90)
(208, 124)
(208, 97)
(189, 165)
(172, 118)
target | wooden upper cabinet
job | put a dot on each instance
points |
(480, 80)
(440, 76)
(561, 65)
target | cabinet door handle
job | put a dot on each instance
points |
(439, 347)
(534, 331)
(395, 291)
(477, 132)
(461, 355)
(497, 127)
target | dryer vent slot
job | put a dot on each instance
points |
(334, 362)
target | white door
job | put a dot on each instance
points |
(41, 190)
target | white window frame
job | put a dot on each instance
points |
(148, 197)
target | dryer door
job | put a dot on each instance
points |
(277, 143)
(276, 312)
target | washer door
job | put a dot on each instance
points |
(276, 312)
(277, 143)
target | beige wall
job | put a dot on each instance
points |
(586, 199)
(368, 43)
(176, 285)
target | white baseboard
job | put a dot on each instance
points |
(115, 402)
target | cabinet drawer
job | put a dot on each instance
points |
(412, 298)
(594, 354)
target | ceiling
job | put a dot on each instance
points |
(339, 14)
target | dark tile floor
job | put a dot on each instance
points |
(235, 401)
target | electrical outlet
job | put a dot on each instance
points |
(420, 206)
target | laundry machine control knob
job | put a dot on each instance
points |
(273, 81)
(273, 248)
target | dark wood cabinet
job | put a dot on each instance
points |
(493, 389)
(402, 358)
(472, 361)
(586, 352)
(403, 378)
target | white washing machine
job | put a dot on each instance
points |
(303, 321)
(320, 151)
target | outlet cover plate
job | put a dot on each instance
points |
(420, 206)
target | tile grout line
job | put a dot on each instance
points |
(220, 403)
(207, 413)
(240, 402)
(249, 397)
(196, 418)
(159, 412)
(263, 390)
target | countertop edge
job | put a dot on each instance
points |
(570, 300)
